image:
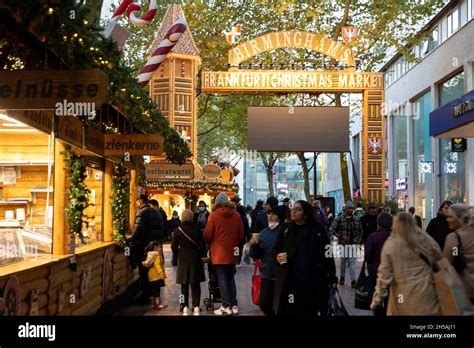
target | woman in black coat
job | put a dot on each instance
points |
(188, 240)
(438, 227)
(302, 283)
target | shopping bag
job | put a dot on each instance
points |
(256, 283)
(364, 288)
(335, 305)
(450, 290)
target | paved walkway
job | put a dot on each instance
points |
(243, 280)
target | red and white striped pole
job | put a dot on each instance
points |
(165, 46)
(131, 7)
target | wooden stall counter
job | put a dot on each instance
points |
(49, 286)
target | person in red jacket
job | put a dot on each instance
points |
(224, 231)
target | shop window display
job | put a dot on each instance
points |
(452, 165)
(26, 194)
(422, 152)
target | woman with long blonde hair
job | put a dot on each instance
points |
(405, 271)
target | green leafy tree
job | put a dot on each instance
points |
(386, 26)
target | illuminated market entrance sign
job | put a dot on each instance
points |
(290, 81)
(344, 80)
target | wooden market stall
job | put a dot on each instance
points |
(177, 194)
(42, 269)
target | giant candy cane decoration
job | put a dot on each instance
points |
(131, 7)
(165, 46)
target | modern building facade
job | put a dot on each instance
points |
(422, 170)
(287, 179)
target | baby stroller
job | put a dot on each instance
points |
(214, 291)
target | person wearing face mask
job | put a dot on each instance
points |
(261, 247)
(172, 225)
(201, 216)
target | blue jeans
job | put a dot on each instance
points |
(225, 277)
(352, 270)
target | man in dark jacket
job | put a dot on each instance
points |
(373, 250)
(156, 205)
(148, 227)
(438, 227)
(254, 216)
(369, 222)
(240, 209)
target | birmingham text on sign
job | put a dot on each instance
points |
(293, 39)
(136, 144)
(271, 80)
(42, 89)
(165, 171)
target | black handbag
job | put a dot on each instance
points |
(335, 305)
(364, 288)
(459, 261)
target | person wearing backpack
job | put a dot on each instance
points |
(459, 245)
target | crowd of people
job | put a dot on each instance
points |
(290, 242)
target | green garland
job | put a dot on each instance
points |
(192, 186)
(77, 192)
(120, 201)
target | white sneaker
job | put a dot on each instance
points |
(239, 265)
(186, 311)
(223, 311)
(235, 310)
(197, 311)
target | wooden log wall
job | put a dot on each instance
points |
(55, 281)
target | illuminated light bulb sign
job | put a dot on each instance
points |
(451, 168)
(426, 167)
